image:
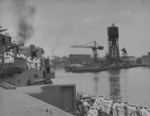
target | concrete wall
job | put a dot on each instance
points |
(61, 96)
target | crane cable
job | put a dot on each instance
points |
(87, 43)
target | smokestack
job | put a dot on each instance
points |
(24, 14)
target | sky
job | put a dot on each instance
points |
(59, 24)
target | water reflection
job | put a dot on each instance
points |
(114, 79)
(130, 84)
(96, 79)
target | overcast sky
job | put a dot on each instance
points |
(61, 23)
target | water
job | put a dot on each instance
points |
(132, 85)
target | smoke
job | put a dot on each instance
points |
(24, 17)
(57, 44)
(64, 31)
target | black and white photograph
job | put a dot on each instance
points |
(74, 57)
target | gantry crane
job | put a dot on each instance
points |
(93, 45)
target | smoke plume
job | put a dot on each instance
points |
(24, 14)
(64, 31)
(57, 45)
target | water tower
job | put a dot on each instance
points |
(113, 44)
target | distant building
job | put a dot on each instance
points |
(146, 59)
(65, 59)
(79, 58)
(132, 59)
(139, 60)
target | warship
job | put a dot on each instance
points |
(18, 73)
(26, 87)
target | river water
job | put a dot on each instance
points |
(132, 85)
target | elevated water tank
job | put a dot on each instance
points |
(113, 32)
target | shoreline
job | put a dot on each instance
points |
(84, 70)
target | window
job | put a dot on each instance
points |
(3, 39)
(10, 39)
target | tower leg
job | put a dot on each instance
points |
(114, 50)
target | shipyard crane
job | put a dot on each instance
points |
(124, 54)
(93, 45)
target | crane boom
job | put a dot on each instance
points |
(81, 46)
(93, 45)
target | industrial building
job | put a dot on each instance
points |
(132, 59)
(146, 59)
(79, 58)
